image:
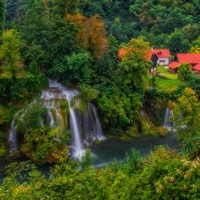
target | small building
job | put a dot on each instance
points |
(192, 59)
(163, 56)
(173, 67)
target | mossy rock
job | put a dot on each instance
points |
(157, 131)
(97, 141)
(151, 132)
(17, 154)
(162, 131)
(2, 151)
(145, 127)
(132, 132)
(125, 137)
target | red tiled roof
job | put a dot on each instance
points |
(162, 53)
(197, 67)
(190, 58)
(174, 65)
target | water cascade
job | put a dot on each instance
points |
(169, 119)
(85, 127)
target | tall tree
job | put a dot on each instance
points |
(135, 64)
(177, 43)
(2, 15)
(10, 51)
(64, 7)
(36, 33)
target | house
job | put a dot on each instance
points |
(158, 56)
(163, 56)
(192, 59)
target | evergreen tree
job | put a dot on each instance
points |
(2, 15)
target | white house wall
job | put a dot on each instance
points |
(163, 61)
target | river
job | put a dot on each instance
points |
(111, 149)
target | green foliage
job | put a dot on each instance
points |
(62, 7)
(177, 43)
(186, 113)
(191, 146)
(10, 51)
(194, 84)
(86, 160)
(134, 66)
(35, 115)
(184, 72)
(161, 175)
(88, 93)
(41, 146)
(2, 15)
(21, 89)
(131, 163)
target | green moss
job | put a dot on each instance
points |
(2, 151)
(132, 132)
(17, 155)
(125, 137)
(97, 141)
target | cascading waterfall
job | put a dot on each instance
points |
(169, 119)
(13, 138)
(92, 124)
(83, 126)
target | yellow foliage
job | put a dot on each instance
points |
(91, 34)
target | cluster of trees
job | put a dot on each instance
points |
(155, 21)
(68, 41)
(77, 43)
(161, 175)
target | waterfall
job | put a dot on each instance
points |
(13, 138)
(92, 124)
(84, 127)
(169, 119)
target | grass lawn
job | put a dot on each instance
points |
(170, 82)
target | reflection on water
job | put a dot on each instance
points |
(109, 150)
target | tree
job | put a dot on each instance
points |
(186, 113)
(184, 71)
(10, 51)
(2, 15)
(34, 117)
(177, 43)
(91, 34)
(64, 7)
(36, 33)
(73, 69)
(135, 64)
(195, 49)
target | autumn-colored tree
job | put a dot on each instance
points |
(91, 35)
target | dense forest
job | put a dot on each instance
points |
(77, 43)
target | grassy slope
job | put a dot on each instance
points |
(171, 82)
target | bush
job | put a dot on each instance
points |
(184, 72)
